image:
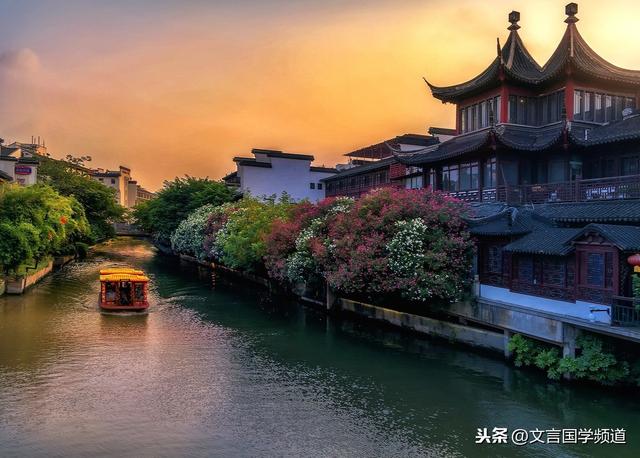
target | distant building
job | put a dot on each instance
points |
(18, 165)
(272, 172)
(375, 166)
(118, 180)
(137, 194)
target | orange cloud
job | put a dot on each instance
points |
(184, 93)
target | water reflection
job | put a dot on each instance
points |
(224, 369)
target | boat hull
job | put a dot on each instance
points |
(123, 308)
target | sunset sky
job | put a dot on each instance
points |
(180, 87)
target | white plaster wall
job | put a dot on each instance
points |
(285, 175)
(8, 167)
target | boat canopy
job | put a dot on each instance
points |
(121, 270)
(124, 277)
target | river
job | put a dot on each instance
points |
(221, 369)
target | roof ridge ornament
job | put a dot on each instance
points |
(571, 10)
(514, 17)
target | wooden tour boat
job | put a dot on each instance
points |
(123, 289)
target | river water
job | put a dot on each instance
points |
(221, 369)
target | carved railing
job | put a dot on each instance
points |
(589, 190)
(625, 311)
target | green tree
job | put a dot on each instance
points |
(175, 201)
(242, 240)
(35, 222)
(98, 200)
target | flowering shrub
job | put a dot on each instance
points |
(289, 256)
(240, 243)
(398, 241)
(420, 258)
(215, 225)
(188, 238)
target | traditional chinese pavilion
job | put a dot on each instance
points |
(549, 158)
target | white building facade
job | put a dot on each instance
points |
(18, 167)
(271, 173)
(116, 179)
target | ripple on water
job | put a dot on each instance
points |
(220, 373)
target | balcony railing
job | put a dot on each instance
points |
(589, 190)
(625, 311)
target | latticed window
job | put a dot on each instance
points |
(494, 259)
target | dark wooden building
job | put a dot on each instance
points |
(535, 144)
(376, 166)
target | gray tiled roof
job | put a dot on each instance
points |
(280, 154)
(370, 167)
(251, 162)
(453, 147)
(315, 168)
(618, 131)
(614, 211)
(510, 221)
(547, 241)
(515, 62)
(626, 238)
(517, 137)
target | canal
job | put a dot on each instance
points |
(221, 369)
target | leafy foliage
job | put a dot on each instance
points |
(98, 200)
(635, 288)
(241, 241)
(177, 199)
(37, 221)
(595, 361)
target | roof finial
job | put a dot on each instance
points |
(499, 48)
(514, 17)
(571, 10)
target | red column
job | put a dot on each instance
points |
(504, 104)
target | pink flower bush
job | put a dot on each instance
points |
(288, 247)
(363, 255)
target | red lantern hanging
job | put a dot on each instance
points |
(634, 260)
(63, 220)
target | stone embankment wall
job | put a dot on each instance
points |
(17, 285)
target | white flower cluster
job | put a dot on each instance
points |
(188, 238)
(301, 262)
(406, 248)
(341, 205)
(409, 261)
